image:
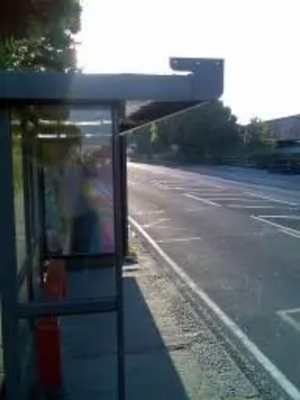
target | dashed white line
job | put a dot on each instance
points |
(216, 192)
(154, 223)
(271, 199)
(287, 386)
(249, 206)
(154, 212)
(236, 198)
(186, 239)
(284, 314)
(195, 209)
(171, 228)
(288, 231)
(290, 311)
(201, 189)
(212, 185)
(281, 216)
(205, 201)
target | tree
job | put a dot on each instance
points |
(256, 136)
(205, 132)
(256, 142)
(38, 34)
(31, 17)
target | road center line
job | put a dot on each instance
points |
(271, 199)
(205, 201)
(287, 386)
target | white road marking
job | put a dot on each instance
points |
(237, 198)
(205, 201)
(288, 231)
(172, 228)
(195, 209)
(203, 192)
(163, 187)
(171, 240)
(287, 386)
(209, 192)
(249, 206)
(281, 216)
(271, 199)
(284, 314)
(216, 186)
(167, 183)
(212, 185)
(148, 212)
(154, 223)
(199, 187)
(291, 311)
(295, 235)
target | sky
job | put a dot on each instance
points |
(258, 39)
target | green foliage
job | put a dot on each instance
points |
(206, 132)
(32, 18)
(38, 34)
(256, 136)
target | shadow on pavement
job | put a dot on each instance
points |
(150, 373)
(89, 347)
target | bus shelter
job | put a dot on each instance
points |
(63, 217)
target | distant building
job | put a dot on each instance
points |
(286, 128)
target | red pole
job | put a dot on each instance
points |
(49, 368)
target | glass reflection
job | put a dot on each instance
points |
(18, 196)
(78, 184)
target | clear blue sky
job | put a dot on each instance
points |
(259, 40)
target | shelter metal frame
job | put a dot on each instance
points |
(203, 81)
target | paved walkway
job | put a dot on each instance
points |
(170, 353)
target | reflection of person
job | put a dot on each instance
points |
(80, 219)
(53, 222)
(101, 192)
(105, 189)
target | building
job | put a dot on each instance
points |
(286, 128)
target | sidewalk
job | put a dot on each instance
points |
(170, 353)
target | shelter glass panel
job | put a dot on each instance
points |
(17, 158)
(78, 186)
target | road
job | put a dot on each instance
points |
(238, 239)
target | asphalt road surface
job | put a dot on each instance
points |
(238, 239)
